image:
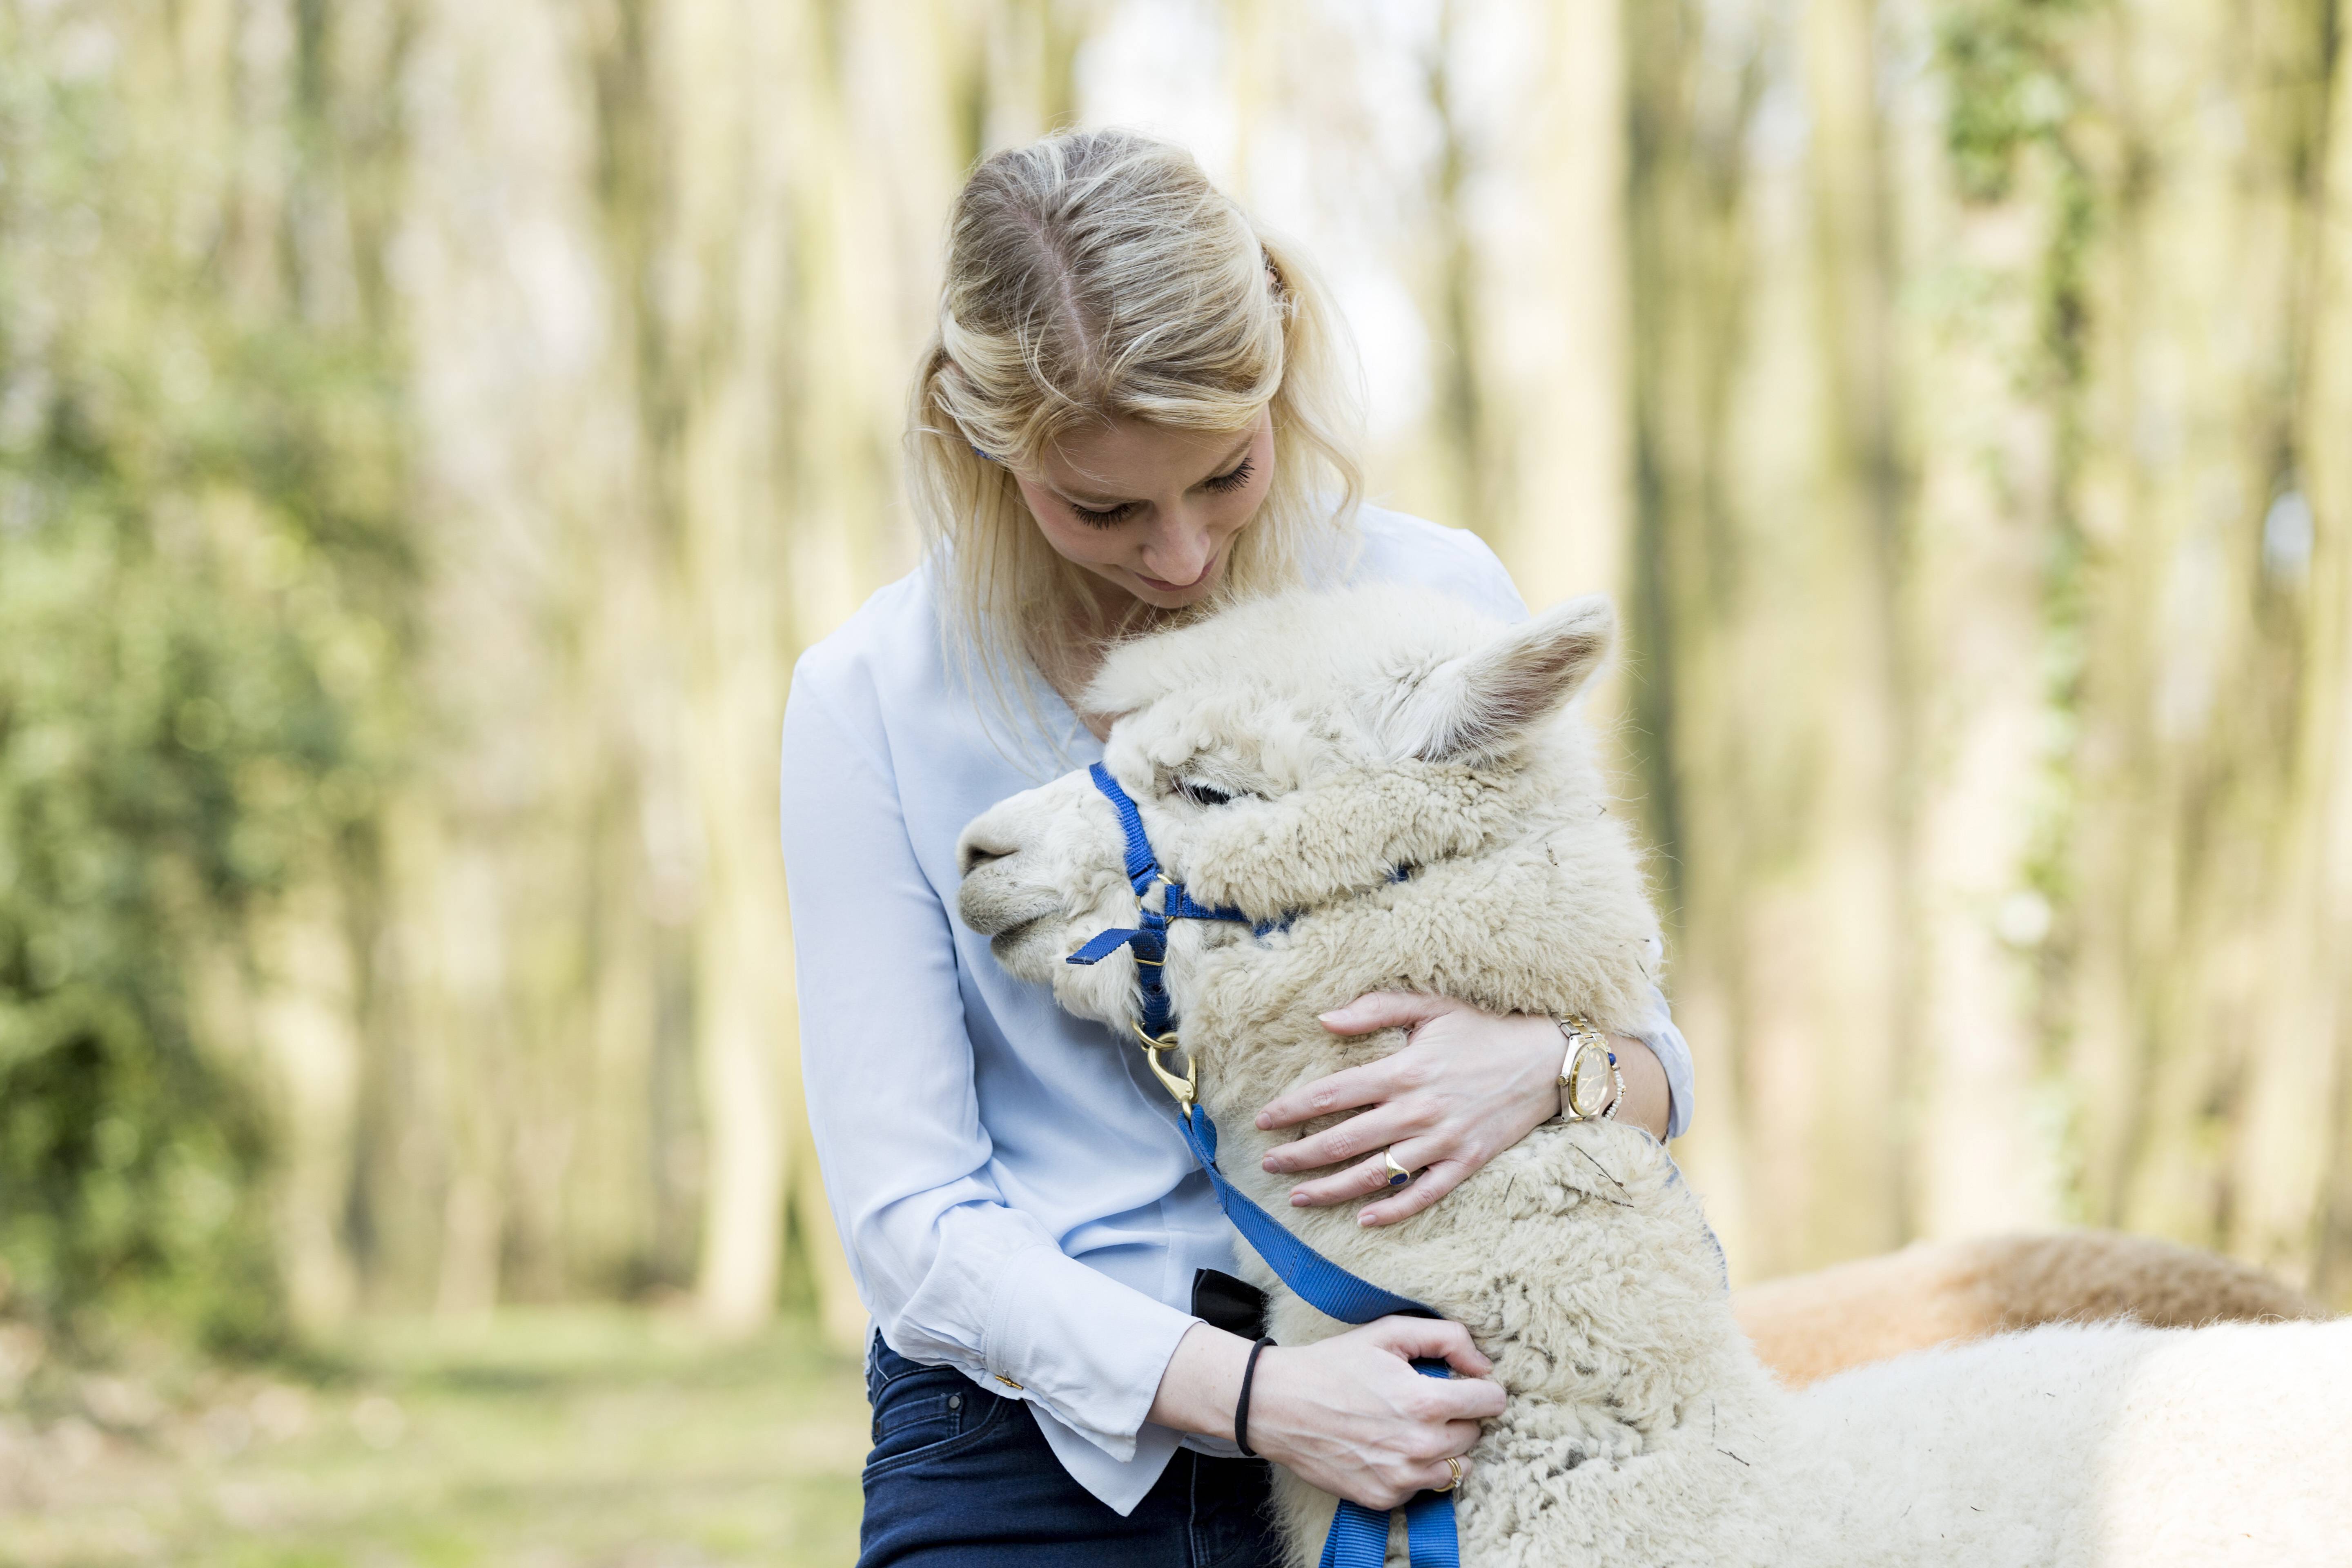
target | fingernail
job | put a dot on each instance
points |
(1327, 1017)
(1265, 1122)
(1298, 1200)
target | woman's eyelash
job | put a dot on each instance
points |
(1222, 484)
(1115, 516)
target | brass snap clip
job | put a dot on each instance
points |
(1182, 1088)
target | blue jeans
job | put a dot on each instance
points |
(959, 1478)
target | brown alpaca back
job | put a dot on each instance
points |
(1810, 1326)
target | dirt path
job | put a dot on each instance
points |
(568, 1440)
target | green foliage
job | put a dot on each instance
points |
(2007, 74)
(2013, 90)
(199, 583)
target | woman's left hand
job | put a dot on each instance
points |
(1466, 1085)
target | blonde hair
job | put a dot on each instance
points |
(1098, 275)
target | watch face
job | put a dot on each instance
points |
(1587, 1087)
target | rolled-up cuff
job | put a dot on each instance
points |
(1666, 1043)
(1083, 1346)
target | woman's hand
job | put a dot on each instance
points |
(1347, 1414)
(1466, 1085)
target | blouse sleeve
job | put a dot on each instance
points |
(952, 1273)
(1666, 1043)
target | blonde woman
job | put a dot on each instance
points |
(1137, 407)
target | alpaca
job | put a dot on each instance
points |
(1810, 1326)
(1388, 783)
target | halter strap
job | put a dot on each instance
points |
(1149, 936)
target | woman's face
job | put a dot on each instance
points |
(1150, 511)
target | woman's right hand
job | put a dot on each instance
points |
(1351, 1415)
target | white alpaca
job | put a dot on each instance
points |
(1286, 757)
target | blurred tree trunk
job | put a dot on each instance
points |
(2292, 1209)
(1547, 347)
(693, 196)
(1979, 456)
(1689, 99)
(306, 1018)
(2316, 952)
(2197, 631)
(1769, 510)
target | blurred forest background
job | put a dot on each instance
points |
(429, 428)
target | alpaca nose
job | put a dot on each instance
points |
(981, 849)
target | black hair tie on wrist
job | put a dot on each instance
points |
(1241, 1406)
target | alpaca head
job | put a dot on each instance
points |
(1286, 755)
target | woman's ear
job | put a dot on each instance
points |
(1480, 704)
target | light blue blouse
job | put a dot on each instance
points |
(1016, 1198)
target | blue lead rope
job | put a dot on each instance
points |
(1360, 1536)
(1320, 1282)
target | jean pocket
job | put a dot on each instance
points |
(919, 1410)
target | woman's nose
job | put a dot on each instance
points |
(1177, 552)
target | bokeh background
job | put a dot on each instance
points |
(429, 428)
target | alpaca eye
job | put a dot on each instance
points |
(1203, 795)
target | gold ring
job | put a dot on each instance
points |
(1453, 1476)
(1398, 1174)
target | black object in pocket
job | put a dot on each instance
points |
(1224, 1302)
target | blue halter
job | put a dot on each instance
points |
(1360, 1536)
(1149, 936)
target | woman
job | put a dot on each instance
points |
(1136, 407)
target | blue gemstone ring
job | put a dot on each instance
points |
(1398, 1174)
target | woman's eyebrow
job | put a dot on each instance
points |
(1225, 466)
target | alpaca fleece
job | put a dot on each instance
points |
(1288, 757)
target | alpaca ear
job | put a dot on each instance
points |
(1480, 703)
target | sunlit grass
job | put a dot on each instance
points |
(539, 1439)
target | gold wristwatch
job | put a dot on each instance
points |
(1590, 1084)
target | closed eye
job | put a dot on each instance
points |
(1233, 479)
(1203, 793)
(1110, 517)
